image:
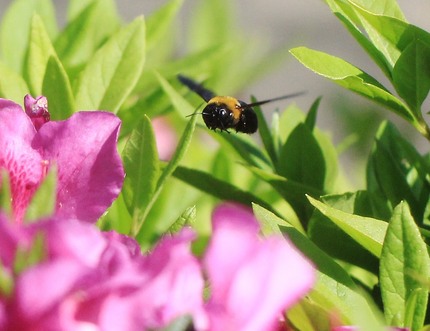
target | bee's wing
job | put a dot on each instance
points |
(196, 87)
(258, 103)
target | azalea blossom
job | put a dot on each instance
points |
(89, 280)
(252, 280)
(83, 148)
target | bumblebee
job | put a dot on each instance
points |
(224, 112)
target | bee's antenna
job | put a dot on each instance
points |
(194, 114)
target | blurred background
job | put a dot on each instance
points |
(276, 24)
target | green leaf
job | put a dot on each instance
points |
(398, 171)
(311, 117)
(183, 107)
(15, 27)
(265, 134)
(142, 168)
(385, 65)
(12, 85)
(245, 147)
(76, 7)
(269, 222)
(158, 23)
(293, 192)
(338, 244)
(301, 159)
(390, 35)
(404, 260)
(182, 323)
(381, 7)
(40, 50)
(213, 25)
(368, 232)
(308, 316)
(111, 74)
(334, 288)
(44, 200)
(26, 257)
(57, 89)
(411, 75)
(167, 171)
(83, 36)
(352, 78)
(217, 187)
(188, 217)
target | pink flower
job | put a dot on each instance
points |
(94, 281)
(252, 280)
(165, 137)
(83, 147)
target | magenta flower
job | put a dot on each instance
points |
(252, 280)
(94, 281)
(83, 147)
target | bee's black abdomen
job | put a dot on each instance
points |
(248, 122)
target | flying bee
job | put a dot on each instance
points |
(224, 112)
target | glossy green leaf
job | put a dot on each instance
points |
(167, 171)
(293, 192)
(15, 27)
(57, 89)
(390, 35)
(381, 7)
(301, 159)
(246, 148)
(398, 171)
(404, 260)
(110, 75)
(334, 288)
(269, 223)
(265, 134)
(338, 244)
(379, 58)
(411, 75)
(43, 203)
(368, 232)
(82, 35)
(217, 187)
(142, 169)
(311, 117)
(40, 50)
(350, 77)
(308, 316)
(12, 85)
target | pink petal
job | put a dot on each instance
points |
(89, 167)
(252, 280)
(165, 136)
(24, 165)
(176, 283)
